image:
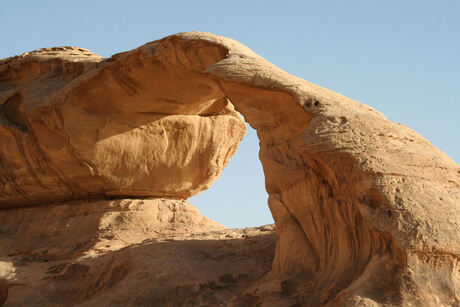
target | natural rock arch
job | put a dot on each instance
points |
(366, 209)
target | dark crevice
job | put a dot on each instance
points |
(11, 110)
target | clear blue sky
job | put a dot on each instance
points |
(401, 57)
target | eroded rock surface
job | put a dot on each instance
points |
(367, 211)
(127, 252)
(73, 125)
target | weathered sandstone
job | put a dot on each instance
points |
(126, 252)
(75, 125)
(367, 211)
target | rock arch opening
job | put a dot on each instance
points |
(238, 198)
(353, 210)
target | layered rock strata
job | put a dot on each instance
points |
(367, 211)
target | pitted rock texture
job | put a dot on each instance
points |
(367, 211)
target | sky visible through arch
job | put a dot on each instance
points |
(400, 57)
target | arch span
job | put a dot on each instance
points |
(361, 203)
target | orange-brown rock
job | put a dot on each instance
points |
(74, 125)
(367, 211)
(126, 252)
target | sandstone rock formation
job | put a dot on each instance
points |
(367, 211)
(78, 125)
(126, 252)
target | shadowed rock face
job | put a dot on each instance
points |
(126, 252)
(367, 211)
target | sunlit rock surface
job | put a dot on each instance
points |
(367, 211)
(75, 125)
